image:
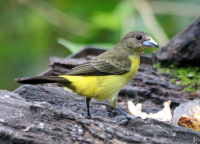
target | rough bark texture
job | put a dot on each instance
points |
(184, 47)
(23, 121)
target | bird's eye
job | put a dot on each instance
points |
(138, 37)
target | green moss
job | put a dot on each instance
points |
(173, 80)
(186, 75)
(189, 89)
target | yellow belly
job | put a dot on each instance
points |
(101, 87)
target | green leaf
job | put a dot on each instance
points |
(190, 74)
(75, 47)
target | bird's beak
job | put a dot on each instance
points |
(150, 43)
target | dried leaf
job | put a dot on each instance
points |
(163, 115)
(192, 122)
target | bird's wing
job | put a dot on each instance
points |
(108, 67)
(97, 68)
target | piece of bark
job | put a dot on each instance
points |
(24, 121)
(184, 47)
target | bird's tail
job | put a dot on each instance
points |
(42, 80)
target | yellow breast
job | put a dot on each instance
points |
(102, 87)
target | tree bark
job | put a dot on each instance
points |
(184, 47)
(23, 121)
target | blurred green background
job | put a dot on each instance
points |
(31, 31)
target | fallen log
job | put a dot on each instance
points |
(25, 121)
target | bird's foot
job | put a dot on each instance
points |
(88, 117)
(128, 118)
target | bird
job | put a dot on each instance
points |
(105, 75)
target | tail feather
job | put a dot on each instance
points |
(42, 80)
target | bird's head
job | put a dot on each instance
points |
(136, 42)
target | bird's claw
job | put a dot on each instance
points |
(128, 118)
(88, 117)
(132, 117)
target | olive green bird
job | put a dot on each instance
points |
(104, 76)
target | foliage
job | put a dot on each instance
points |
(75, 47)
(186, 75)
(30, 28)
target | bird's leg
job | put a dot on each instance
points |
(88, 109)
(129, 117)
(113, 103)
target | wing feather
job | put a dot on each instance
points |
(97, 68)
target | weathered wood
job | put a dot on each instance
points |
(184, 47)
(23, 121)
